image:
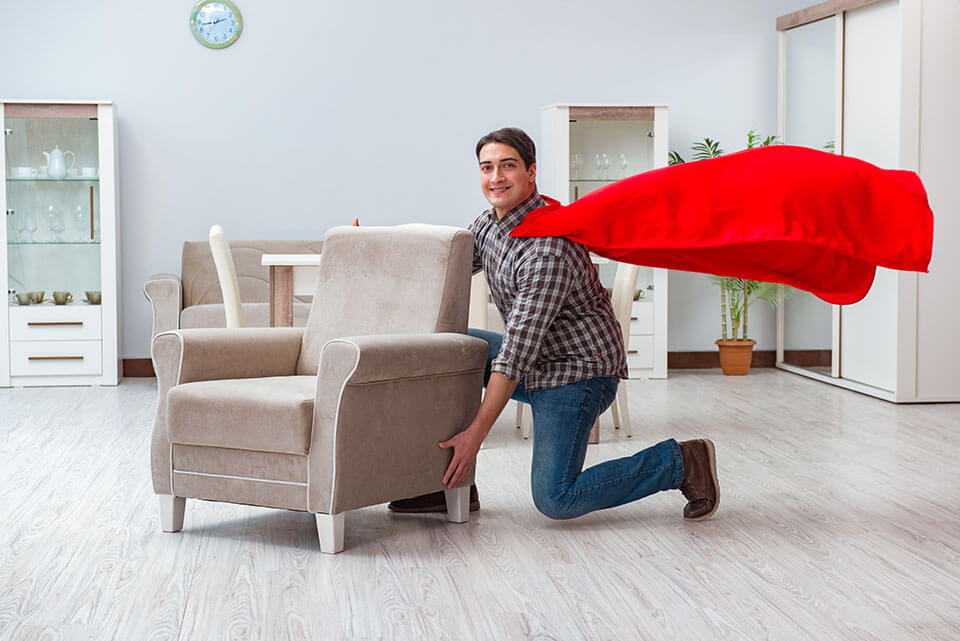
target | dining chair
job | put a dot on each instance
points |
(227, 275)
(624, 288)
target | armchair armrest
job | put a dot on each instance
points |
(165, 293)
(186, 355)
(383, 403)
(387, 357)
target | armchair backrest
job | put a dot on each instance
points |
(199, 274)
(407, 279)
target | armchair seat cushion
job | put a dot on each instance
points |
(254, 315)
(273, 414)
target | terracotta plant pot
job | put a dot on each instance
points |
(735, 356)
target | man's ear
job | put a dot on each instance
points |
(532, 172)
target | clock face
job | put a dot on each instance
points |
(216, 23)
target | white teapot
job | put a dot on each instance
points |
(57, 164)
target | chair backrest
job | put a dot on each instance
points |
(227, 275)
(624, 287)
(407, 279)
(479, 302)
(201, 285)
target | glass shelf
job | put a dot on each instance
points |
(48, 179)
(55, 242)
(594, 180)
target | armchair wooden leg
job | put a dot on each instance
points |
(616, 414)
(458, 504)
(330, 529)
(171, 512)
(519, 414)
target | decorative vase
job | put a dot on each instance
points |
(735, 356)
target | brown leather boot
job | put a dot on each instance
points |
(700, 485)
(433, 502)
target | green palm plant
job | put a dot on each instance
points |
(736, 294)
(741, 293)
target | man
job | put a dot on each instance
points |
(562, 352)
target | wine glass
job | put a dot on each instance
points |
(598, 161)
(576, 161)
(79, 217)
(55, 221)
(29, 226)
(606, 165)
(623, 164)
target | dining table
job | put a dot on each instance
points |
(290, 275)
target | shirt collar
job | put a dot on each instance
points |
(518, 213)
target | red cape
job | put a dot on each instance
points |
(793, 215)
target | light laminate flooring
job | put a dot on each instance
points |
(838, 520)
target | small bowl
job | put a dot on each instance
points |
(93, 297)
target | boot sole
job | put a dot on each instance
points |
(716, 483)
(429, 509)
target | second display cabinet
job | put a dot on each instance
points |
(586, 146)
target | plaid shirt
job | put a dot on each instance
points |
(560, 326)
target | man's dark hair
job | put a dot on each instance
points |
(516, 138)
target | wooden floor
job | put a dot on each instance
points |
(839, 520)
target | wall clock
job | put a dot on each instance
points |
(216, 23)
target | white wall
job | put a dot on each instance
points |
(326, 110)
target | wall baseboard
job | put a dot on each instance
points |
(136, 367)
(709, 360)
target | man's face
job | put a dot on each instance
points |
(503, 179)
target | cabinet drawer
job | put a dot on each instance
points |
(77, 322)
(46, 358)
(642, 321)
(640, 352)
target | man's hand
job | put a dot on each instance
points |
(465, 446)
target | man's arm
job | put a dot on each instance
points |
(544, 284)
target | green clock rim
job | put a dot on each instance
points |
(196, 34)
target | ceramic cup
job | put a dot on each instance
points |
(93, 297)
(88, 172)
(23, 172)
(23, 299)
(36, 297)
(62, 298)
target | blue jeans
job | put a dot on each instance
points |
(562, 419)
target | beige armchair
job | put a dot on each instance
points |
(342, 414)
(193, 299)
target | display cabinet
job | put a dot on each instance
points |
(60, 321)
(586, 146)
(877, 81)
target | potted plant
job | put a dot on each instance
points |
(736, 294)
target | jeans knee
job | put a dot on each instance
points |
(552, 505)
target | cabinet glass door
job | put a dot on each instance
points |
(53, 202)
(809, 119)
